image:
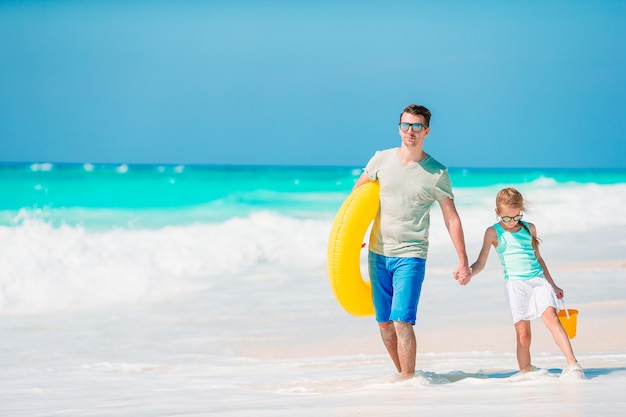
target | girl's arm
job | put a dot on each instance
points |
(559, 292)
(490, 239)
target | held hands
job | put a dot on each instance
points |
(462, 274)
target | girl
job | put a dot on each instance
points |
(529, 288)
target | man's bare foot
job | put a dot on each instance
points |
(529, 368)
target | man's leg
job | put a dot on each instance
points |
(407, 349)
(399, 339)
(390, 339)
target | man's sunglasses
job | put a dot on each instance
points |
(415, 126)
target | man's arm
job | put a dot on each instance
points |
(362, 180)
(455, 229)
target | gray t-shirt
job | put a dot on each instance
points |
(406, 195)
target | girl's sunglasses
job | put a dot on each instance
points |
(507, 219)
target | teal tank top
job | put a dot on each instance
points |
(516, 253)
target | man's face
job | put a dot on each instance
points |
(411, 137)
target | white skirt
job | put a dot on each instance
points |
(529, 298)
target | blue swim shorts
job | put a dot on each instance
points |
(396, 286)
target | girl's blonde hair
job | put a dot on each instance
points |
(513, 198)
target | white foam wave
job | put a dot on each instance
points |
(46, 267)
(45, 166)
(125, 367)
(122, 169)
(56, 268)
(544, 182)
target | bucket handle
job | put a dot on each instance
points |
(565, 307)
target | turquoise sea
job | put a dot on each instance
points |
(149, 196)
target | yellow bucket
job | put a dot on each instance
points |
(568, 324)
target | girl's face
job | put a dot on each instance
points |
(510, 216)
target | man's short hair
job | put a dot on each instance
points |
(417, 110)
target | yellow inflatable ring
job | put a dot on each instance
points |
(344, 249)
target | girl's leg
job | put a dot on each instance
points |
(522, 329)
(559, 335)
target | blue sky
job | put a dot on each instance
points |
(509, 83)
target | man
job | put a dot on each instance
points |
(410, 182)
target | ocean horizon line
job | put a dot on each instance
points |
(45, 165)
